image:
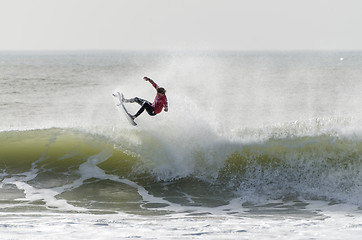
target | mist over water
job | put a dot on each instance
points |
(247, 133)
(223, 90)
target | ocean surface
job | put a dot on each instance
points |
(256, 145)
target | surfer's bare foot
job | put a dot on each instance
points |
(133, 117)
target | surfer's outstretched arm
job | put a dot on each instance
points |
(147, 79)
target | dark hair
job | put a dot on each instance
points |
(161, 90)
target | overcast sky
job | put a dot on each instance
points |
(181, 24)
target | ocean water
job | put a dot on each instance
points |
(256, 145)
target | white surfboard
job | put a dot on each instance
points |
(128, 116)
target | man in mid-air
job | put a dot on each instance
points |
(156, 107)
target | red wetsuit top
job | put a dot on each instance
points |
(160, 102)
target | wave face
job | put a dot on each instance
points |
(252, 127)
(72, 170)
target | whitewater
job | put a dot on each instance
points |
(255, 145)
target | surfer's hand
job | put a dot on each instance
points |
(166, 109)
(146, 78)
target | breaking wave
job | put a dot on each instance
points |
(318, 167)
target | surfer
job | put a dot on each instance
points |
(156, 107)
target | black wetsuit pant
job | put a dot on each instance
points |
(144, 105)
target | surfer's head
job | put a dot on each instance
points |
(161, 90)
